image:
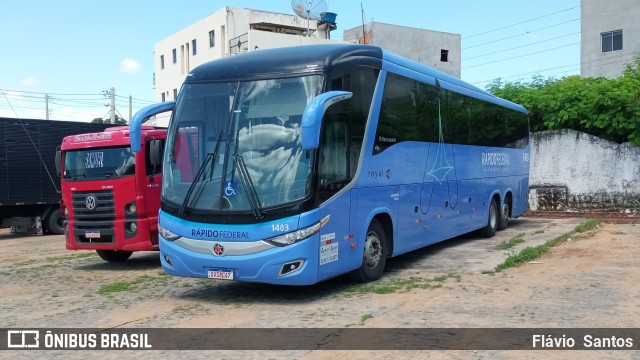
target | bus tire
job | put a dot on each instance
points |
(114, 255)
(489, 230)
(374, 254)
(503, 219)
(54, 222)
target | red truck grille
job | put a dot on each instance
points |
(94, 213)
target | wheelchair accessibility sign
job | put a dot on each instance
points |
(231, 188)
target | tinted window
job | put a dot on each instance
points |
(413, 111)
(409, 112)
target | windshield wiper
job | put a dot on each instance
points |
(245, 178)
(252, 195)
(210, 157)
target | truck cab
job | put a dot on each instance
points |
(110, 194)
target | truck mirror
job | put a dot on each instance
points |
(313, 113)
(155, 152)
(59, 162)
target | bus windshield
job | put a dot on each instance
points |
(99, 163)
(236, 146)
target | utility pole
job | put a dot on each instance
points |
(130, 108)
(46, 106)
(113, 105)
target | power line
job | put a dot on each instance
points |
(524, 33)
(521, 56)
(522, 46)
(97, 94)
(608, 11)
(625, 58)
(520, 23)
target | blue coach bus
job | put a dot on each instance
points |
(295, 165)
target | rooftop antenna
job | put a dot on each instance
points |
(310, 10)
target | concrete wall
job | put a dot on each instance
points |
(266, 40)
(603, 16)
(571, 170)
(420, 45)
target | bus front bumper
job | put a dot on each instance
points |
(295, 264)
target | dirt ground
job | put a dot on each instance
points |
(588, 282)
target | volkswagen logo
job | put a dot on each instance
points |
(90, 202)
(218, 249)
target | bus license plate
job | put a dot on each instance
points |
(92, 234)
(223, 274)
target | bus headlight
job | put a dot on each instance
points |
(294, 237)
(167, 234)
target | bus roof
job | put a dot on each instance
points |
(264, 64)
(278, 61)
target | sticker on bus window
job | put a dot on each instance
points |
(230, 189)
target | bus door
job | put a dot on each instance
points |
(334, 174)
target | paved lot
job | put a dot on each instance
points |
(589, 282)
(471, 254)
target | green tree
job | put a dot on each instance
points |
(119, 120)
(608, 108)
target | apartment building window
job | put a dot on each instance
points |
(611, 41)
(212, 38)
(161, 61)
(175, 94)
(194, 50)
(444, 55)
(175, 56)
(164, 98)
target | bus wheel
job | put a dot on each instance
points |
(114, 255)
(503, 220)
(374, 254)
(492, 222)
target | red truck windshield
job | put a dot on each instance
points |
(99, 163)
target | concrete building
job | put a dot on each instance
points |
(439, 50)
(610, 36)
(227, 32)
(231, 31)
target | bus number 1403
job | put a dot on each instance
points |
(280, 227)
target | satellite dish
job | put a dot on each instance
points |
(309, 9)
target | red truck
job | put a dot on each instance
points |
(111, 195)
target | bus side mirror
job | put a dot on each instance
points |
(135, 125)
(312, 116)
(59, 162)
(155, 152)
